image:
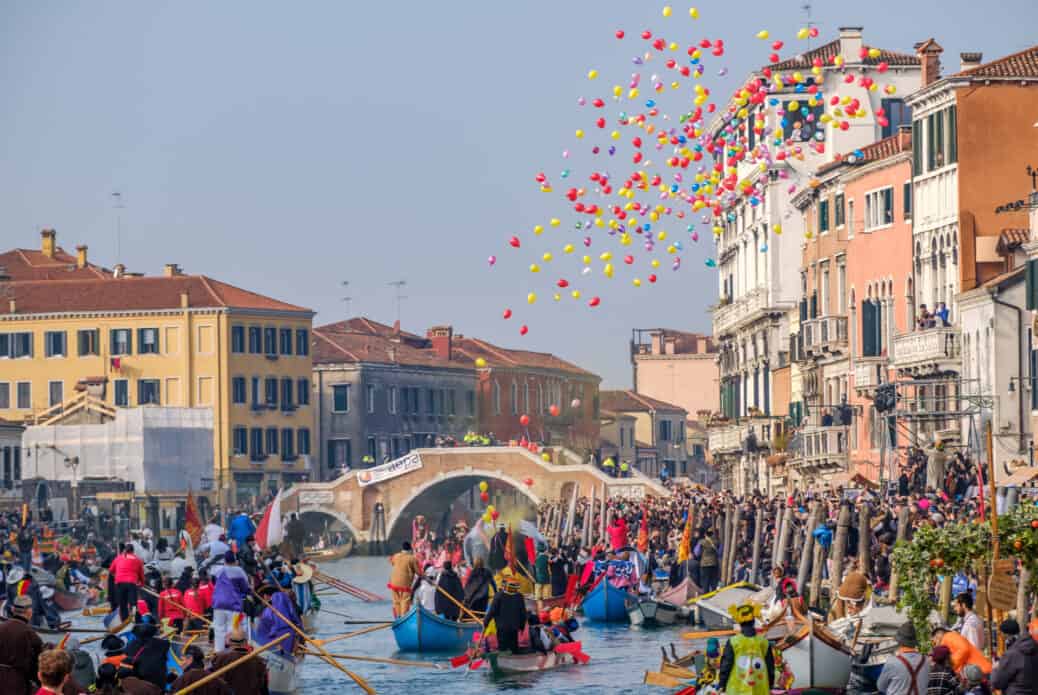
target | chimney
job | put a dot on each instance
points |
(929, 53)
(441, 338)
(851, 44)
(669, 345)
(119, 270)
(48, 242)
(172, 270)
(657, 343)
(968, 61)
(81, 256)
(904, 138)
(184, 302)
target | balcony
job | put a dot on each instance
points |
(824, 335)
(869, 372)
(728, 316)
(730, 437)
(928, 352)
(823, 448)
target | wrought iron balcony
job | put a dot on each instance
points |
(731, 437)
(824, 335)
(928, 351)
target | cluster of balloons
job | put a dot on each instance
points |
(659, 174)
(491, 514)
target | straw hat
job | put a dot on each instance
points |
(304, 573)
(236, 637)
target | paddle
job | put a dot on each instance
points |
(234, 664)
(455, 602)
(378, 660)
(709, 633)
(177, 605)
(380, 626)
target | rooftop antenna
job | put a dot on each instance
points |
(348, 300)
(399, 285)
(806, 7)
(118, 198)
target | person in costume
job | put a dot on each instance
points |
(747, 663)
(508, 611)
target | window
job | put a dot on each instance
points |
(148, 341)
(917, 147)
(238, 390)
(5, 395)
(850, 219)
(303, 391)
(255, 340)
(823, 216)
(240, 441)
(288, 444)
(665, 430)
(838, 210)
(256, 444)
(906, 200)
(121, 340)
(302, 342)
(270, 336)
(273, 435)
(470, 402)
(497, 398)
(879, 208)
(148, 392)
(515, 398)
(270, 392)
(56, 393)
(450, 402)
(237, 339)
(373, 449)
(391, 400)
(88, 342)
(841, 287)
(953, 134)
(121, 393)
(15, 345)
(303, 443)
(825, 289)
(369, 397)
(285, 341)
(341, 398)
(897, 115)
(54, 344)
(24, 395)
(256, 399)
(287, 402)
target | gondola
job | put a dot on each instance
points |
(607, 604)
(421, 631)
(650, 612)
(506, 664)
(330, 553)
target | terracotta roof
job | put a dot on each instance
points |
(134, 294)
(832, 49)
(32, 264)
(877, 151)
(366, 326)
(475, 348)
(1018, 65)
(1012, 239)
(631, 402)
(335, 344)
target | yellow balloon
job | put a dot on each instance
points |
(636, 282)
(487, 519)
(575, 294)
(608, 270)
(568, 248)
(483, 487)
(874, 53)
(803, 33)
(592, 74)
(662, 236)
(667, 11)
(555, 222)
(534, 268)
(531, 298)
(480, 362)
(693, 13)
(655, 263)
(546, 457)
(556, 296)
(580, 133)
(763, 34)
(606, 255)
(547, 256)
(538, 229)
(777, 228)
(587, 260)
(615, 135)
(490, 508)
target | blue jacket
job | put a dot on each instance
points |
(241, 527)
(232, 586)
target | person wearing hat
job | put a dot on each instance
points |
(852, 596)
(147, 654)
(247, 677)
(402, 578)
(906, 672)
(942, 680)
(508, 611)
(449, 584)
(1017, 670)
(962, 650)
(114, 649)
(194, 671)
(541, 573)
(232, 586)
(747, 663)
(20, 649)
(83, 673)
(425, 594)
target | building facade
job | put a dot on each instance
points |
(170, 340)
(676, 367)
(659, 432)
(617, 437)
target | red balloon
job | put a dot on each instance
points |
(507, 314)
(523, 330)
(484, 497)
(652, 278)
(494, 514)
(528, 482)
(619, 33)
(595, 301)
(514, 241)
(524, 420)
(554, 410)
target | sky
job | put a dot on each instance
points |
(291, 147)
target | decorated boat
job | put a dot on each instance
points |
(607, 604)
(652, 613)
(546, 604)
(421, 631)
(282, 672)
(506, 664)
(69, 600)
(711, 610)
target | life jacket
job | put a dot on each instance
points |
(749, 674)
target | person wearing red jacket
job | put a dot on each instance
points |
(128, 572)
(170, 602)
(196, 602)
(205, 587)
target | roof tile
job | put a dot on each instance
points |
(1018, 65)
(832, 49)
(633, 402)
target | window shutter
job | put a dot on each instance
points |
(803, 309)
(868, 334)
(1032, 285)
(814, 305)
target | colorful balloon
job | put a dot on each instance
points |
(483, 486)
(553, 410)
(524, 420)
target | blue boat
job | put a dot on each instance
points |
(606, 604)
(421, 631)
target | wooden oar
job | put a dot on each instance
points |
(234, 664)
(709, 633)
(177, 605)
(346, 587)
(347, 635)
(456, 602)
(378, 660)
(324, 652)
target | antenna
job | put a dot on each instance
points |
(806, 7)
(118, 197)
(399, 285)
(348, 300)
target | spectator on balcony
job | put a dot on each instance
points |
(926, 319)
(943, 314)
(827, 419)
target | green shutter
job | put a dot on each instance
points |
(953, 135)
(868, 331)
(917, 148)
(1032, 284)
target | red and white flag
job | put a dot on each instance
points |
(270, 531)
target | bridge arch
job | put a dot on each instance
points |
(328, 511)
(458, 481)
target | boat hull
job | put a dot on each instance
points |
(282, 673)
(607, 604)
(712, 612)
(69, 600)
(336, 552)
(422, 631)
(815, 663)
(515, 664)
(653, 613)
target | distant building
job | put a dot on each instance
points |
(676, 367)
(11, 462)
(616, 440)
(659, 431)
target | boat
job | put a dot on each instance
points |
(816, 657)
(711, 610)
(679, 595)
(607, 604)
(546, 604)
(421, 631)
(652, 613)
(69, 600)
(506, 664)
(282, 678)
(330, 553)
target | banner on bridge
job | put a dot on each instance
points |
(388, 471)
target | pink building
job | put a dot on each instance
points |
(676, 367)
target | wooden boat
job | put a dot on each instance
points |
(282, 672)
(652, 613)
(663, 680)
(679, 595)
(329, 554)
(505, 664)
(422, 631)
(816, 657)
(546, 604)
(607, 604)
(711, 610)
(69, 600)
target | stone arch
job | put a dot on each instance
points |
(327, 511)
(463, 479)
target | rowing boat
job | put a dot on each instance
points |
(652, 613)
(607, 604)
(816, 657)
(506, 664)
(329, 554)
(679, 595)
(711, 610)
(421, 631)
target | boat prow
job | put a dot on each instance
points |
(506, 664)
(421, 631)
(607, 604)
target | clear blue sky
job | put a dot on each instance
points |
(286, 147)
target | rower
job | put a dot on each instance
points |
(20, 649)
(747, 664)
(508, 610)
(247, 677)
(194, 671)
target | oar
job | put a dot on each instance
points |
(709, 633)
(373, 628)
(174, 603)
(378, 660)
(455, 602)
(342, 585)
(234, 664)
(324, 652)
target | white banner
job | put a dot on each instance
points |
(387, 471)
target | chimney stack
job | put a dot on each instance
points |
(184, 302)
(81, 256)
(851, 44)
(968, 61)
(929, 53)
(441, 338)
(48, 242)
(172, 270)
(119, 270)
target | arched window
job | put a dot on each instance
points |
(497, 398)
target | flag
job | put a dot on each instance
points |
(25, 513)
(685, 547)
(270, 532)
(643, 533)
(531, 551)
(192, 522)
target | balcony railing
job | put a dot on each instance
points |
(728, 316)
(730, 437)
(929, 351)
(824, 447)
(824, 335)
(868, 372)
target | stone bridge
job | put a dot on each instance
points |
(425, 480)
